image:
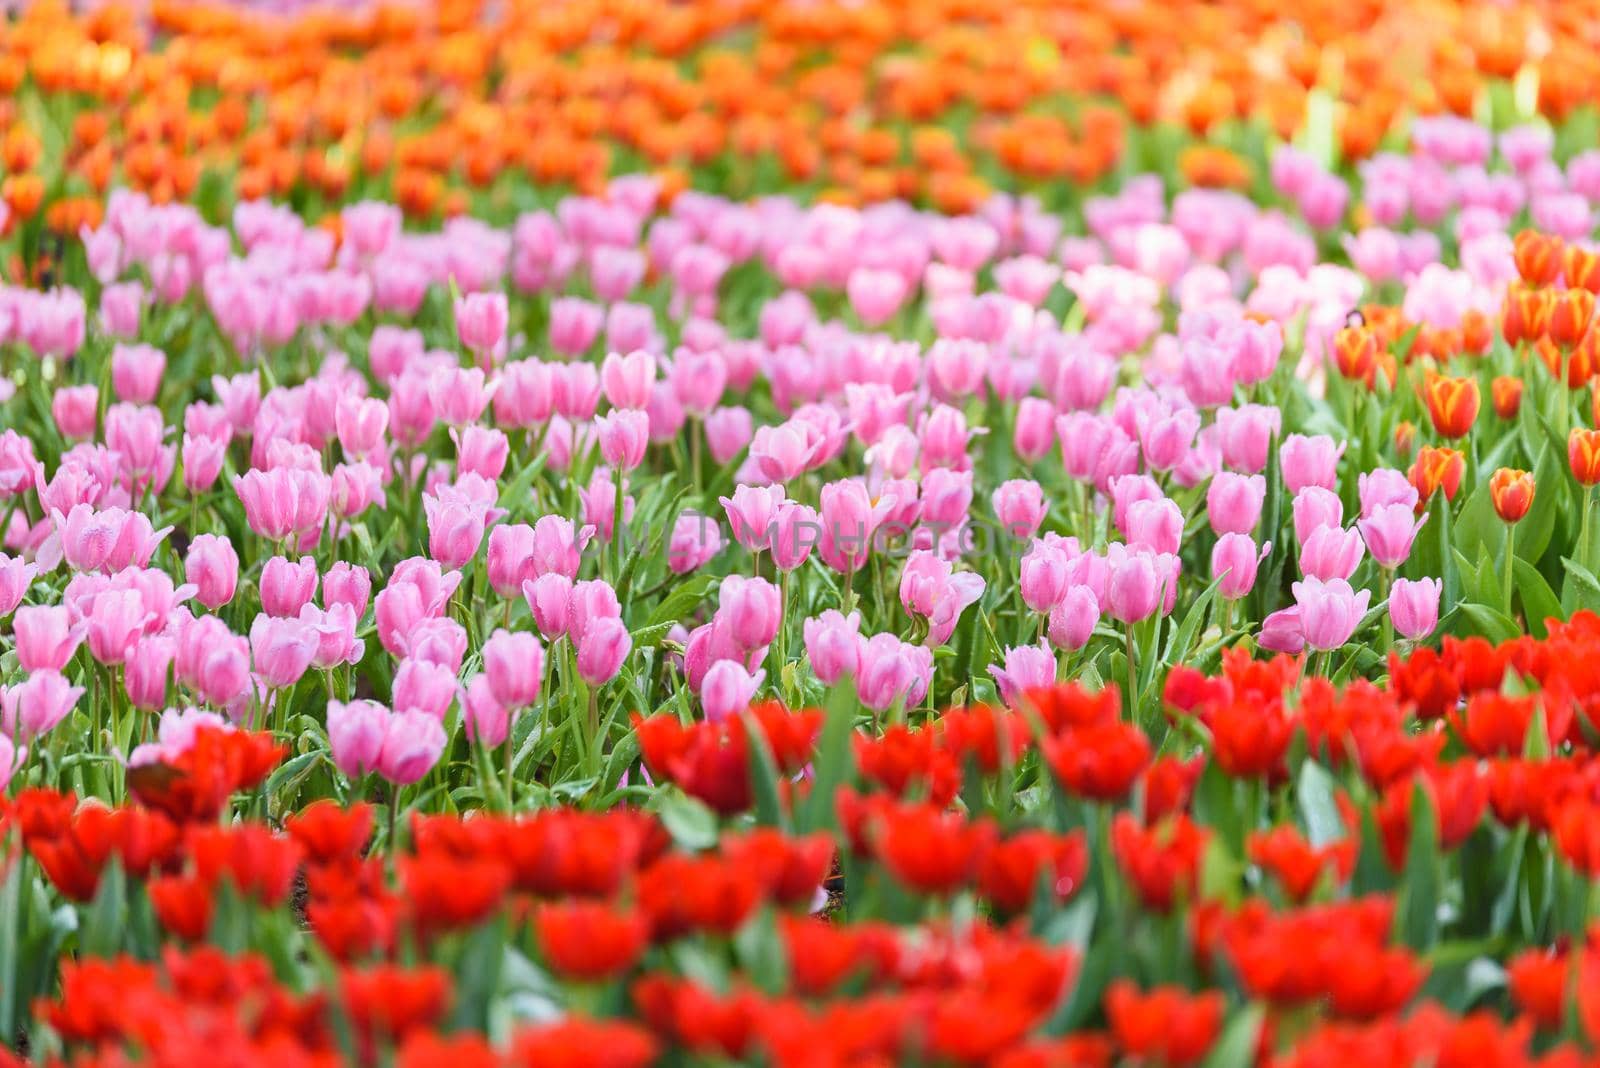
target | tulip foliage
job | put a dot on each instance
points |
(533, 534)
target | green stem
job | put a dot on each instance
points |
(1583, 527)
(1133, 677)
(1511, 565)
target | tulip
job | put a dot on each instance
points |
(281, 649)
(1033, 432)
(513, 662)
(16, 575)
(1414, 607)
(932, 589)
(1384, 485)
(1389, 532)
(751, 512)
(1019, 505)
(1331, 553)
(412, 744)
(1134, 587)
(481, 320)
(1043, 577)
(624, 435)
(1309, 461)
(833, 645)
(627, 381)
(1436, 469)
(145, 671)
(849, 520)
(695, 540)
(1074, 617)
(480, 450)
(751, 609)
(1329, 611)
(1234, 561)
(602, 648)
(1156, 525)
(1233, 502)
(796, 530)
(456, 524)
(892, 671)
(1281, 631)
(728, 431)
(1314, 508)
(727, 689)
(116, 621)
(136, 372)
(1511, 491)
(1452, 404)
(287, 586)
(548, 597)
(37, 704)
(76, 410)
(558, 546)
(347, 584)
(1027, 667)
(424, 686)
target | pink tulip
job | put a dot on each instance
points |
(558, 546)
(1281, 631)
(213, 568)
(1043, 575)
(751, 512)
(76, 409)
(513, 662)
(1156, 525)
(932, 589)
(1329, 611)
(1234, 561)
(728, 689)
(1314, 508)
(36, 705)
(603, 646)
(728, 431)
(1033, 434)
(875, 295)
(850, 518)
(1331, 553)
(484, 719)
(1384, 486)
(422, 685)
(1020, 507)
(1414, 607)
(1245, 433)
(624, 436)
(456, 524)
(1309, 461)
(16, 575)
(286, 586)
(136, 372)
(1027, 667)
(510, 558)
(355, 735)
(413, 741)
(1137, 581)
(481, 320)
(796, 531)
(1389, 531)
(574, 324)
(1074, 617)
(145, 671)
(627, 381)
(833, 645)
(892, 671)
(116, 621)
(1233, 502)
(695, 540)
(281, 649)
(548, 597)
(347, 584)
(45, 637)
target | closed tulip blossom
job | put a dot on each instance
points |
(1414, 607)
(750, 610)
(1043, 575)
(1233, 502)
(548, 597)
(1137, 582)
(412, 744)
(1019, 506)
(1314, 508)
(602, 650)
(728, 689)
(1329, 611)
(1309, 461)
(751, 512)
(1389, 532)
(36, 705)
(45, 637)
(513, 662)
(1026, 667)
(1074, 618)
(424, 686)
(892, 671)
(286, 586)
(833, 645)
(15, 577)
(1331, 553)
(347, 584)
(281, 649)
(1234, 562)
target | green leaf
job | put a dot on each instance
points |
(107, 914)
(1237, 1046)
(1418, 914)
(763, 775)
(691, 824)
(1181, 640)
(835, 760)
(683, 600)
(1581, 589)
(761, 952)
(477, 974)
(1539, 601)
(1314, 793)
(1491, 622)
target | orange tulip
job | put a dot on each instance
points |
(1570, 314)
(1437, 469)
(1583, 454)
(1506, 393)
(1538, 257)
(1405, 438)
(1581, 268)
(1525, 314)
(1512, 493)
(1355, 353)
(1452, 404)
